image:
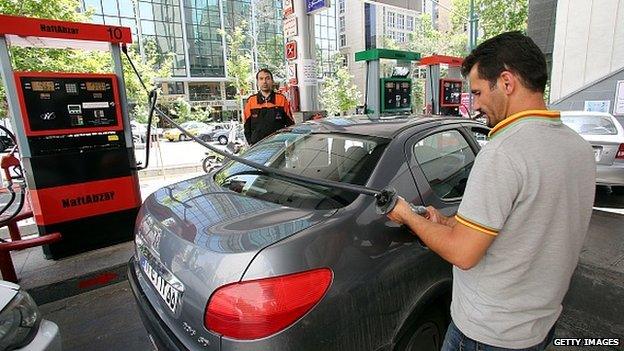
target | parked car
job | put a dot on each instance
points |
(208, 135)
(21, 325)
(242, 260)
(223, 135)
(194, 127)
(606, 135)
(139, 132)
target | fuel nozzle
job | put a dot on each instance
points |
(387, 199)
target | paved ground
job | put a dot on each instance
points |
(177, 153)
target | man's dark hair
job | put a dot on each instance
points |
(511, 51)
(265, 71)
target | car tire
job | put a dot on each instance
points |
(223, 140)
(182, 137)
(426, 332)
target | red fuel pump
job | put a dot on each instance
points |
(74, 137)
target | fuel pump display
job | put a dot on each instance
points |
(69, 101)
(396, 95)
(450, 96)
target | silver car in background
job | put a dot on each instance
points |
(606, 135)
(21, 325)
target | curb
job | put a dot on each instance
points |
(78, 285)
(157, 172)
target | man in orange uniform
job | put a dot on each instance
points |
(267, 111)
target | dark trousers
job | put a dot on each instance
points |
(455, 340)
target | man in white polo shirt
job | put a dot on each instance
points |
(520, 227)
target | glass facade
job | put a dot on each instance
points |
(114, 12)
(205, 48)
(189, 31)
(326, 40)
(161, 25)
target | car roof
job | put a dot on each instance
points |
(385, 127)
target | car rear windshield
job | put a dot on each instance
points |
(337, 157)
(590, 125)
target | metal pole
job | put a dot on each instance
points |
(473, 27)
(306, 63)
(12, 100)
(123, 98)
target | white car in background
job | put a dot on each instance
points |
(606, 135)
(21, 325)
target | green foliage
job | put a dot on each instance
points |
(239, 61)
(55, 60)
(338, 94)
(271, 56)
(498, 16)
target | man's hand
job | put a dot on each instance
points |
(401, 211)
(437, 217)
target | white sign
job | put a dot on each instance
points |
(288, 8)
(619, 98)
(308, 68)
(290, 27)
(292, 74)
(597, 105)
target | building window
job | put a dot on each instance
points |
(391, 20)
(342, 23)
(400, 23)
(343, 40)
(341, 6)
(410, 23)
(204, 91)
(400, 37)
(174, 88)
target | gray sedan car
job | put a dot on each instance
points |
(241, 260)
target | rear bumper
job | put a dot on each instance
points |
(160, 333)
(610, 175)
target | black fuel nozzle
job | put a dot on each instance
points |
(387, 199)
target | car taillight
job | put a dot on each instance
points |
(620, 153)
(258, 308)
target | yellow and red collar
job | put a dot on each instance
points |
(533, 114)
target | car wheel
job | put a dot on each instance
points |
(426, 332)
(223, 140)
(170, 139)
(182, 137)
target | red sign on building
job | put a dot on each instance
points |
(291, 50)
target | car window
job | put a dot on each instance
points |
(445, 159)
(480, 134)
(336, 157)
(590, 125)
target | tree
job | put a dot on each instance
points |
(498, 16)
(238, 61)
(338, 93)
(52, 60)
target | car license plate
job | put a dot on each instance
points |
(169, 294)
(597, 152)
